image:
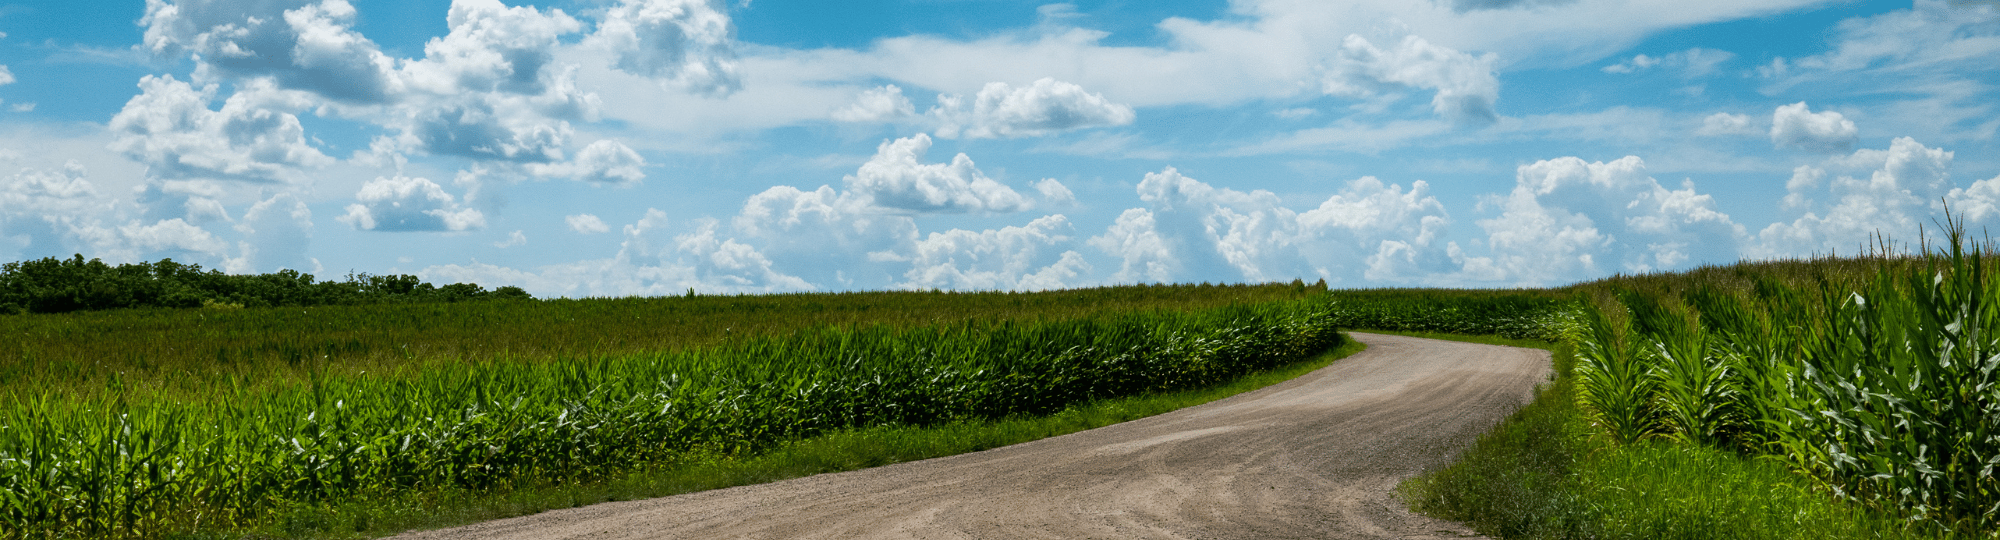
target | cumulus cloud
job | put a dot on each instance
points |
(865, 235)
(6, 75)
(602, 162)
(1043, 107)
(170, 128)
(1054, 193)
(491, 89)
(172, 236)
(680, 42)
(300, 44)
(276, 234)
(197, 201)
(1691, 63)
(1195, 229)
(43, 207)
(586, 224)
(1977, 203)
(1144, 254)
(877, 105)
(1466, 86)
(655, 259)
(897, 180)
(1568, 219)
(1892, 192)
(823, 237)
(1795, 126)
(1722, 124)
(404, 203)
(1008, 258)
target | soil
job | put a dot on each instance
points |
(1315, 457)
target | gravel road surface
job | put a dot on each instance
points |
(1314, 457)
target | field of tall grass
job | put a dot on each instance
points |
(1817, 399)
(148, 422)
(1876, 375)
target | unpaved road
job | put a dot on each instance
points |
(1314, 457)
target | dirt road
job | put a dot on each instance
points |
(1315, 457)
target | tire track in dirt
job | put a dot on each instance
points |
(1314, 457)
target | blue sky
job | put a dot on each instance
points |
(621, 147)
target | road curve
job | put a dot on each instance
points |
(1314, 457)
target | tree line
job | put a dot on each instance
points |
(52, 285)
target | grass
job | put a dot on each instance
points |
(1546, 473)
(833, 452)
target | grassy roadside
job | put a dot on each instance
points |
(1542, 474)
(841, 451)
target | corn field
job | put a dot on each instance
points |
(1876, 375)
(1541, 314)
(119, 462)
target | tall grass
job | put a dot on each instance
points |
(1876, 375)
(1517, 314)
(120, 463)
(187, 353)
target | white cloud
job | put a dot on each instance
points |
(491, 89)
(1194, 229)
(197, 201)
(277, 232)
(897, 180)
(1795, 126)
(1692, 63)
(652, 261)
(171, 236)
(1903, 186)
(1043, 107)
(586, 224)
(1721, 124)
(170, 128)
(6, 75)
(1466, 86)
(602, 162)
(404, 203)
(1145, 256)
(301, 45)
(1008, 258)
(44, 207)
(824, 237)
(680, 42)
(516, 238)
(877, 105)
(1567, 219)
(1979, 203)
(1055, 193)
(1805, 179)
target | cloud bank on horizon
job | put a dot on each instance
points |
(644, 147)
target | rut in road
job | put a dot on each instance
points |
(1314, 457)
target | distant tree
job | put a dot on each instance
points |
(51, 285)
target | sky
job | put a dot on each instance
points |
(597, 148)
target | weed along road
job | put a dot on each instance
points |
(1314, 457)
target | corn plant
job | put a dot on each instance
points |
(1694, 391)
(1903, 388)
(1613, 378)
